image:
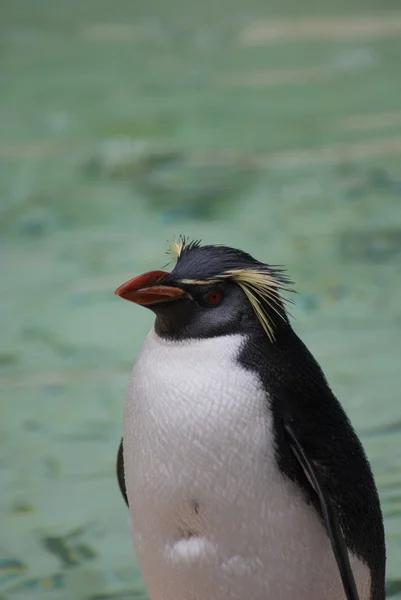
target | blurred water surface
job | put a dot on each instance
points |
(274, 127)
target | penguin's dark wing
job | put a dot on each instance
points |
(329, 514)
(120, 472)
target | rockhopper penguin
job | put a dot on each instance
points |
(244, 477)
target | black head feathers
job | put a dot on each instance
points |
(262, 284)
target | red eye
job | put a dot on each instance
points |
(214, 298)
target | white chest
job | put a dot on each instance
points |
(196, 425)
(212, 516)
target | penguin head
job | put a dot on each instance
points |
(212, 291)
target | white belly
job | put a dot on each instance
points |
(212, 517)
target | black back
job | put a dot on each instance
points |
(300, 396)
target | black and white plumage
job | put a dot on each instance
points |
(221, 507)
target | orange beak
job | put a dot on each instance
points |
(144, 290)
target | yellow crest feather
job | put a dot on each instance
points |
(175, 246)
(261, 286)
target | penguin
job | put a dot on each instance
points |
(244, 477)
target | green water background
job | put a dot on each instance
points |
(270, 126)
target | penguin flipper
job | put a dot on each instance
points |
(120, 472)
(329, 515)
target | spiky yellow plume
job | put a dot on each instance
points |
(261, 287)
(175, 246)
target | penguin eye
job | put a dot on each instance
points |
(214, 298)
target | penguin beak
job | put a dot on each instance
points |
(146, 291)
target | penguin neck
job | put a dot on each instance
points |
(220, 347)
